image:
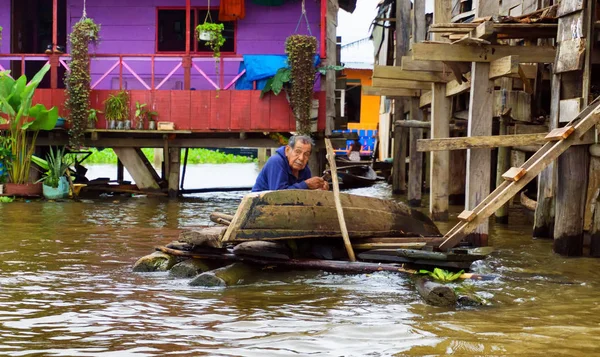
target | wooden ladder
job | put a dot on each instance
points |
(557, 141)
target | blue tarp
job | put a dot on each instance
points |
(260, 68)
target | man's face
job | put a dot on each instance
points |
(299, 155)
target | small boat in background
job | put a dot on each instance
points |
(356, 176)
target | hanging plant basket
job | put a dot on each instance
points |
(301, 51)
(212, 34)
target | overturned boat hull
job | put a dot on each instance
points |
(291, 214)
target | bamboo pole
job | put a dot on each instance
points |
(336, 196)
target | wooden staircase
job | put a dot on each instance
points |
(557, 141)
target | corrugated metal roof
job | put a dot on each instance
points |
(358, 54)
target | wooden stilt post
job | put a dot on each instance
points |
(543, 226)
(330, 79)
(187, 60)
(503, 163)
(415, 171)
(440, 128)
(174, 171)
(572, 165)
(54, 62)
(481, 105)
(400, 134)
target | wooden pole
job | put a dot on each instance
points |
(174, 171)
(54, 57)
(481, 112)
(187, 61)
(415, 170)
(503, 163)
(338, 203)
(573, 164)
(403, 26)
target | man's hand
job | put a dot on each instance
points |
(316, 183)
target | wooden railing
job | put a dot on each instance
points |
(122, 63)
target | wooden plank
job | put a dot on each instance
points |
(571, 54)
(518, 102)
(259, 111)
(442, 12)
(220, 111)
(566, 7)
(415, 169)
(277, 120)
(425, 99)
(569, 108)
(396, 83)
(467, 216)
(571, 27)
(409, 64)
(200, 109)
(454, 88)
(484, 30)
(240, 109)
(390, 92)
(487, 53)
(514, 174)
(162, 105)
(504, 67)
(473, 41)
(181, 109)
(474, 142)
(559, 133)
(393, 72)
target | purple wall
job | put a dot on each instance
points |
(128, 27)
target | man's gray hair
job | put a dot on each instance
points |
(301, 138)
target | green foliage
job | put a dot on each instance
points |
(6, 199)
(280, 81)
(1, 33)
(301, 50)
(142, 113)
(216, 40)
(93, 116)
(56, 167)
(442, 275)
(195, 156)
(15, 101)
(116, 107)
(77, 81)
(323, 69)
(6, 158)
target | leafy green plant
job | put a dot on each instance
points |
(6, 199)
(78, 80)
(215, 38)
(16, 102)
(1, 34)
(301, 50)
(442, 275)
(5, 158)
(116, 107)
(56, 167)
(93, 116)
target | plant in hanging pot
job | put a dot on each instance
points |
(212, 34)
(15, 102)
(78, 79)
(55, 184)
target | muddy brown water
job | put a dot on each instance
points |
(66, 289)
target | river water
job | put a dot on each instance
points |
(66, 289)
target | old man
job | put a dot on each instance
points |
(287, 169)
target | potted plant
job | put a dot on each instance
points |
(55, 184)
(116, 110)
(212, 34)
(93, 118)
(23, 119)
(151, 116)
(140, 114)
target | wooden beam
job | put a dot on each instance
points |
(390, 92)
(136, 168)
(487, 53)
(409, 64)
(425, 99)
(493, 141)
(484, 30)
(392, 72)
(454, 88)
(440, 161)
(504, 67)
(398, 83)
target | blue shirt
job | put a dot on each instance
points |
(277, 175)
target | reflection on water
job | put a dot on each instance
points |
(66, 289)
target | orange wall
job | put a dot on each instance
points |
(369, 106)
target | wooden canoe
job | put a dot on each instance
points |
(290, 214)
